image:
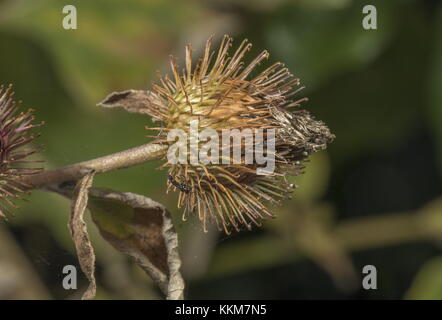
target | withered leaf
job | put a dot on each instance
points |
(137, 101)
(78, 230)
(142, 229)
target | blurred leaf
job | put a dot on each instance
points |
(372, 110)
(318, 43)
(266, 6)
(435, 86)
(142, 229)
(324, 4)
(427, 285)
(117, 38)
(78, 230)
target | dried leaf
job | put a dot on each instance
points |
(137, 101)
(142, 229)
(78, 229)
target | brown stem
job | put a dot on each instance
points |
(119, 160)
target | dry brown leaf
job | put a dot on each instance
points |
(142, 229)
(78, 230)
(136, 101)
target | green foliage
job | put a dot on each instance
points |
(373, 88)
(428, 282)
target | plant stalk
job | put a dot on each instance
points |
(115, 161)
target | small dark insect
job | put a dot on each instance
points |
(182, 186)
(67, 184)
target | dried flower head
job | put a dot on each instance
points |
(14, 136)
(221, 94)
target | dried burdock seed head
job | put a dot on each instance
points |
(220, 93)
(14, 137)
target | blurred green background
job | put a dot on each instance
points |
(374, 198)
